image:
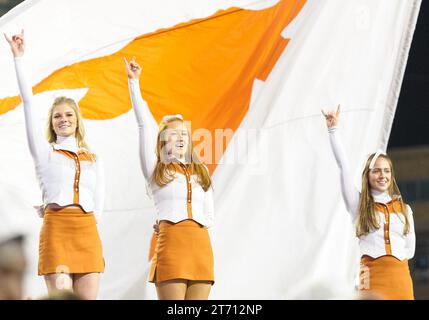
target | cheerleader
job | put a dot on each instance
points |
(384, 223)
(71, 180)
(182, 266)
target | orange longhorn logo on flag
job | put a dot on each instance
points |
(203, 69)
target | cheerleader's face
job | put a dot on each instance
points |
(176, 137)
(64, 120)
(380, 176)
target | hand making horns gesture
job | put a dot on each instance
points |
(332, 117)
(17, 44)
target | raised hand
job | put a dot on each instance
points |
(332, 117)
(133, 69)
(17, 44)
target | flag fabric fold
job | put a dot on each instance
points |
(252, 77)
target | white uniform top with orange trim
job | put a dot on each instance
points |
(389, 239)
(65, 173)
(174, 200)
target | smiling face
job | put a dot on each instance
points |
(381, 175)
(64, 120)
(176, 139)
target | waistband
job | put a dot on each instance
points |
(69, 210)
(383, 259)
(183, 223)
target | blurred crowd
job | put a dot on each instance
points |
(12, 270)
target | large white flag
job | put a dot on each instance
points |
(252, 73)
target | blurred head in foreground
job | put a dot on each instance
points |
(12, 268)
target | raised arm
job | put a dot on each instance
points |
(35, 139)
(148, 128)
(348, 190)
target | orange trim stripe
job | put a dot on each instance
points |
(392, 207)
(81, 156)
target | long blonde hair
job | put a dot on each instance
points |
(367, 217)
(80, 130)
(165, 171)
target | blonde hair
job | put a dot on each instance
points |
(80, 130)
(165, 171)
(367, 218)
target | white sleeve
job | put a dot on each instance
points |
(36, 142)
(99, 189)
(348, 190)
(209, 207)
(410, 246)
(148, 130)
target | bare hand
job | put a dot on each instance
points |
(156, 228)
(332, 117)
(17, 44)
(133, 69)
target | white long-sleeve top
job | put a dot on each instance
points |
(171, 200)
(62, 179)
(389, 239)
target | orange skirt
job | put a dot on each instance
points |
(69, 243)
(183, 251)
(386, 277)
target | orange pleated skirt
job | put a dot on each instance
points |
(386, 277)
(183, 251)
(69, 243)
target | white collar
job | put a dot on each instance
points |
(66, 143)
(381, 197)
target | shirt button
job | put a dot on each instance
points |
(189, 200)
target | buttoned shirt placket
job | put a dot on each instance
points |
(75, 157)
(188, 190)
(387, 242)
